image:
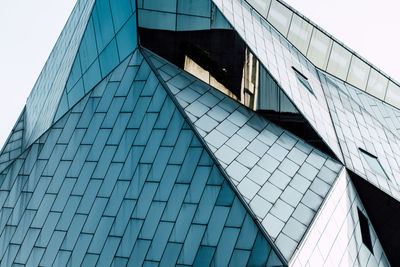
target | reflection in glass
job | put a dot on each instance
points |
(279, 16)
(377, 84)
(393, 94)
(300, 33)
(339, 61)
(358, 73)
(319, 49)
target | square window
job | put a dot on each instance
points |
(303, 80)
(365, 234)
(373, 163)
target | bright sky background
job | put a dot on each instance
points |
(29, 30)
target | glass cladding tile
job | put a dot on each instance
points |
(319, 49)
(339, 61)
(280, 16)
(358, 73)
(267, 165)
(121, 11)
(100, 188)
(300, 33)
(377, 84)
(156, 20)
(392, 94)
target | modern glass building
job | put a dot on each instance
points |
(206, 133)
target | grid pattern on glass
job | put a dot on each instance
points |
(40, 108)
(277, 55)
(303, 80)
(373, 163)
(278, 175)
(365, 233)
(121, 179)
(110, 36)
(335, 238)
(318, 50)
(13, 146)
(386, 114)
(357, 128)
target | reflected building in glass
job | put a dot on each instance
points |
(206, 133)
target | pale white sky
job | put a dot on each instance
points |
(29, 29)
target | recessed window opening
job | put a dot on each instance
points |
(365, 234)
(303, 80)
(374, 163)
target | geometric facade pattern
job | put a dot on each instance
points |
(206, 133)
(122, 179)
(283, 179)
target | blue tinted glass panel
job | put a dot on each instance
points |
(109, 58)
(120, 10)
(103, 23)
(127, 38)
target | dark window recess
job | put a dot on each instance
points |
(222, 53)
(365, 234)
(298, 125)
(373, 163)
(303, 80)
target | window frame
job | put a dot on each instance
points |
(366, 154)
(303, 80)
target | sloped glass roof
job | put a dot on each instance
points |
(326, 52)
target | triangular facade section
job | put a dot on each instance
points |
(283, 179)
(337, 236)
(122, 179)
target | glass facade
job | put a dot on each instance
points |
(323, 50)
(122, 179)
(202, 133)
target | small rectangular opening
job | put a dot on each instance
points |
(365, 234)
(373, 163)
(303, 80)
